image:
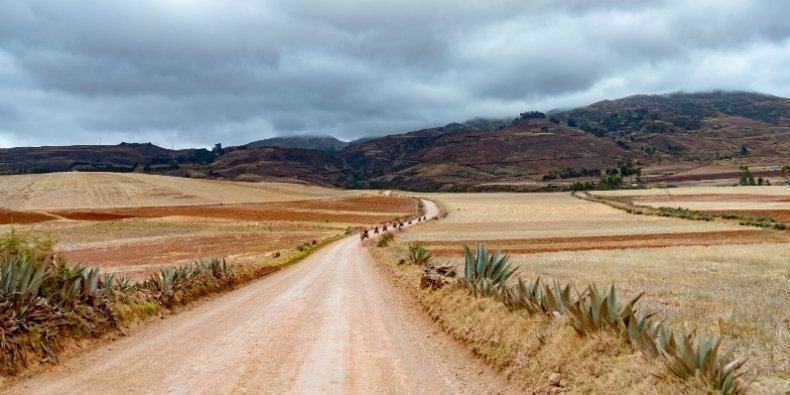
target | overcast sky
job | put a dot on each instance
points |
(190, 73)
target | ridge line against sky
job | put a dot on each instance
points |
(190, 73)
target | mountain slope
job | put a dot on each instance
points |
(666, 135)
(323, 143)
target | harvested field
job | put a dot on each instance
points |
(68, 191)
(710, 277)
(502, 216)
(555, 244)
(357, 210)
(135, 222)
(740, 292)
(143, 254)
(707, 198)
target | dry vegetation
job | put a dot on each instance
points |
(712, 278)
(540, 354)
(67, 191)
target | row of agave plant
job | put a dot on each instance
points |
(492, 275)
(44, 300)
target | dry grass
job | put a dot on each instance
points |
(531, 349)
(497, 216)
(741, 292)
(709, 198)
(68, 191)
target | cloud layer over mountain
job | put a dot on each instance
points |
(196, 72)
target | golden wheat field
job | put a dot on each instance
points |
(64, 191)
(133, 223)
(714, 278)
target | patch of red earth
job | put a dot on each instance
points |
(389, 207)
(379, 204)
(179, 249)
(22, 217)
(779, 215)
(556, 244)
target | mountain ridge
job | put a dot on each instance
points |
(663, 134)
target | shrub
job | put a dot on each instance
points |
(419, 255)
(385, 239)
(484, 273)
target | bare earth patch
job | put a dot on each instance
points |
(539, 245)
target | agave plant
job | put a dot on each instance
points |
(535, 297)
(106, 281)
(686, 359)
(419, 255)
(596, 310)
(21, 278)
(486, 274)
(82, 285)
(125, 284)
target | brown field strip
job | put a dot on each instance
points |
(556, 244)
(168, 250)
(22, 217)
(388, 207)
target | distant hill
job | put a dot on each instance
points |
(323, 143)
(124, 157)
(676, 112)
(673, 137)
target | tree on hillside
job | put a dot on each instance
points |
(744, 150)
(572, 123)
(786, 173)
(218, 150)
(746, 177)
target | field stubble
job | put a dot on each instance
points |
(735, 283)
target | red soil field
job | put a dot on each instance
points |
(538, 245)
(779, 215)
(289, 211)
(22, 217)
(169, 250)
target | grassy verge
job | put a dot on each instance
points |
(543, 352)
(684, 213)
(45, 302)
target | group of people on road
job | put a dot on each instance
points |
(393, 225)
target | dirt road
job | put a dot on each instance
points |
(327, 325)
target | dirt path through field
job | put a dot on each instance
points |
(327, 325)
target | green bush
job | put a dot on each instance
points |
(385, 239)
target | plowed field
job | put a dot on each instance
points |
(621, 242)
(134, 222)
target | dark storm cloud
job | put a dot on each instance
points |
(195, 72)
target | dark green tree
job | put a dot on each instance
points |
(746, 177)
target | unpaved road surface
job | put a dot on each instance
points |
(327, 325)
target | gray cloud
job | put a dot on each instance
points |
(195, 72)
